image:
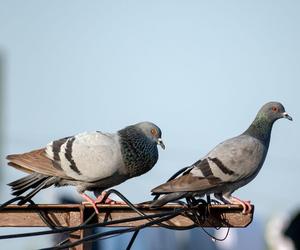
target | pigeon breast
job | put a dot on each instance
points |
(139, 153)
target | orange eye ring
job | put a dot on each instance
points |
(274, 109)
(153, 131)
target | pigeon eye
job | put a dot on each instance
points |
(154, 132)
(274, 109)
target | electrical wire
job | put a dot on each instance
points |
(117, 231)
(83, 227)
(190, 209)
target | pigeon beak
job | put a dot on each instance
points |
(160, 142)
(286, 115)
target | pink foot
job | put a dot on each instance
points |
(99, 199)
(246, 204)
(91, 201)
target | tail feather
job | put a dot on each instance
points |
(33, 184)
(20, 183)
(35, 181)
(44, 184)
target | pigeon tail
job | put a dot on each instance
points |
(33, 181)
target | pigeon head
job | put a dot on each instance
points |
(262, 125)
(273, 111)
(151, 131)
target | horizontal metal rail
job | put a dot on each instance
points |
(69, 215)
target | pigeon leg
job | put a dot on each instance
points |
(100, 198)
(222, 198)
(246, 204)
(90, 201)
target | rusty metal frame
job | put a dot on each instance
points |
(69, 215)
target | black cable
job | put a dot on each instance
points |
(116, 192)
(215, 238)
(142, 214)
(82, 224)
(2, 206)
(42, 215)
(132, 239)
(197, 219)
(104, 234)
(179, 172)
(114, 232)
(132, 206)
(70, 229)
(188, 209)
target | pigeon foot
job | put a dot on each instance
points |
(99, 199)
(246, 204)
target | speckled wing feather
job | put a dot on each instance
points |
(187, 183)
(230, 161)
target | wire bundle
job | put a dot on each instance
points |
(188, 208)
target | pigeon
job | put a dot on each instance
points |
(90, 161)
(229, 166)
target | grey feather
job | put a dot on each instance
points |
(167, 198)
(91, 161)
(231, 164)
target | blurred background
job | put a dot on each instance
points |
(198, 69)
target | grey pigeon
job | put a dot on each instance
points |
(229, 166)
(91, 161)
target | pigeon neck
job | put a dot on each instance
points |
(261, 129)
(139, 153)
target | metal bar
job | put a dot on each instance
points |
(69, 215)
(79, 234)
(74, 214)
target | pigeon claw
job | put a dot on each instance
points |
(100, 199)
(245, 204)
(90, 201)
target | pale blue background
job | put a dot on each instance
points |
(198, 69)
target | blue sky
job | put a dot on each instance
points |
(198, 69)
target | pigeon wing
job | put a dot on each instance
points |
(89, 156)
(84, 157)
(230, 161)
(187, 183)
(192, 181)
(235, 159)
(35, 161)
